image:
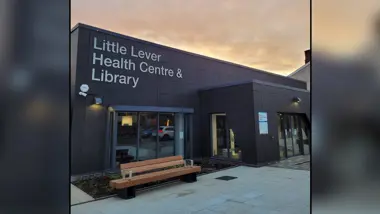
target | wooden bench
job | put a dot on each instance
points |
(142, 172)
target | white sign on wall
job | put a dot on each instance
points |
(263, 117)
(263, 122)
(123, 58)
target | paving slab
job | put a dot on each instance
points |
(301, 162)
(78, 196)
(255, 190)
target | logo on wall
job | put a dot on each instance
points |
(83, 90)
(123, 59)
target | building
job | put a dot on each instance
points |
(135, 100)
(303, 73)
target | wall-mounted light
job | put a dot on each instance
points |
(296, 100)
(98, 100)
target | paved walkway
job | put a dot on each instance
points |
(301, 162)
(78, 196)
(265, 190)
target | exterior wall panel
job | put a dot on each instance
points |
(89, 123)
(273, 100)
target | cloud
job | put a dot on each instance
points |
(270, 35)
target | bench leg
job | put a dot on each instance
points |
(127, 193)
(189, 178)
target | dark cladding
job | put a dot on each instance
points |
(154, 102)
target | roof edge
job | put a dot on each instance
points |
(299, 69)
(175, 49)
(254, 81)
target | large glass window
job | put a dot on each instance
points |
(146, 135)
(126, 147)
(166, 135)
(148, 142)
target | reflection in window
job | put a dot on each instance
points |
(166, 135)
(296, 142)
(148, 140)
(126, 137)
(305, 139)
(127, 120)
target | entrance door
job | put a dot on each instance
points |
(293, 132)
(297, 144)
(305, 135)
(221, 135)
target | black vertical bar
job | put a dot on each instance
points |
(191, 135)
(157, 137)
(175, 131)
(107, 140)
(114, 139)
(138, 136)
(211, 139)
(185, 136)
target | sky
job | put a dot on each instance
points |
(270, 35)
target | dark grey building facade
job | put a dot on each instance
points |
(135, 100)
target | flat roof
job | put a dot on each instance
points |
(81, 25)
(255, 82)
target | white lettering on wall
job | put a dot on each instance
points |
(113, 55)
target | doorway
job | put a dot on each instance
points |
(219, 135)
(293, 135)
(223, 142)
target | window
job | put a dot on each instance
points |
(166, 135)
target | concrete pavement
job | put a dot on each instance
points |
(301, 162)
(78, 196)
(265, 190)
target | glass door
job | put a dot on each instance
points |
(293, 132)
(221, 136)
(304, 135)
(288, 137)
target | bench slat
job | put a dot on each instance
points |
(155, 166)
(150, 162)
(155, 176)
